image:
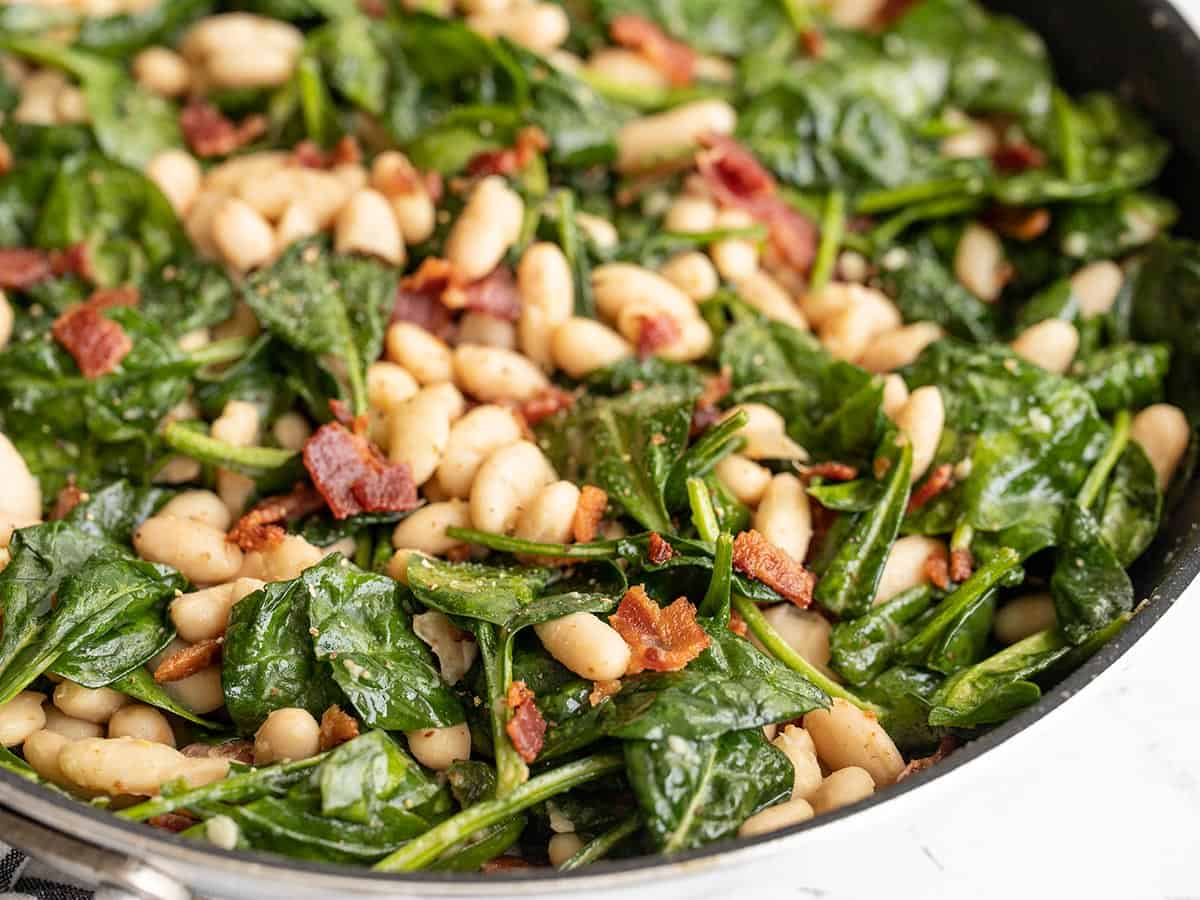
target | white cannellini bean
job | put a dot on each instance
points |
(768, 296)
(21, 502)
(617, 285)
(291, 431)
(836, 297)
(162, 71)
(94, 705)
(598, 230)
(783, 516)
(454, 648)
(547, 290)
(237, 424)
(1050, 344)
(627, 68)
(282, 561)
(690, 214)
(797, 744)
(585, 644)
(895, 395)
(20, 717)
(394, 176)
(744, 478)
(540, 27)
(766, 434)
(736, 258)
(419, 429)
(388, 385)
(1096, 287)
(855, 13)
(7, 318)
(842, 788)
(973, 140)
(203, 615)
(128, 765)
(1024, 616)
(895, 349)
(562, 847)
(199, 506)
(549, 517)
(580, 346)
(921, 419)
(424, 355)
(1163, 432)
(490, 374)
(200, 552)
(807, 632)
(847, 334)
(472, 438)
(366, 224)
(41, 750)
(287, 734)
(773, 818)
(905, 565)
(177, 175)
(979, 262)
(507, 482)
(486, 228)
(201, 693)
(845, 735)
(693, 273)
(70, 727)
(487, 330)
(643, 142)
(243, 237)
(425, 529)
(438, 748)
(137, 720)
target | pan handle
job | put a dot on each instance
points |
(117, 877)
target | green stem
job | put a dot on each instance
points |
(428, 847)
(600, 847)
(247, 460)
(1104, 466)
(782, 651)
(496, 647)
(798, 13)
(833, 226)
(221, 351)
(715, 604)
(704, 515)
(1074, 154)
(234, 789)
(887, 199)
(505, 544)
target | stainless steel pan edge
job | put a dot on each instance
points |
(1158, 57)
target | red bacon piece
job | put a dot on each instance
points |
(240, 750)
(526, 728)
(737, 624)
(757, 557)
(674, 59)
(832, 471)
(660, 639)
(173, 822)
(659, 551)
(1020, 156)
(938, 481)
(337, 727)
(546, 404)
(209, 132)
(259, 528)
(23, 267)
(602, 690)
(962, 564)
(354, 476)
(655, 333)
(493, 295)
(1019, 222)
(75, 260)
(946, 746)
(937, 569)
(69, 497)
(97, 343)
(187, 661)
(531, 142)
(589, 510)
(310, 155)
(419, 297)
(738, 179)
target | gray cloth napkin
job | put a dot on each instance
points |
(24, 879)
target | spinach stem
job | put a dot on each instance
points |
(962, 536)
(1074, 158)
(234, 789)
(886, 199)
(422, 851)
(1104, 466)
(221, 351)
(798, 13)
(704, 516)
(248, 460)
(505, 544)
(833, 226)
(599, 847)
(716, 599)
(782, 651)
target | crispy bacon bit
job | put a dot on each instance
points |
(435, 187)
(1018, 222)
(97, 344)
(832, 471)
(659, 551)
(707, 412)
(336, 728)
(674, 59)
(210, 133)
(937, 481)
(188, 661)
(757, 557)
(531, 142)
(1016, 157)
(69, 497)
(310, 155)
(738, 179)
(505, 864)
(419, 296)
(75, 260)
(661, 639)
(23, 267)
(493, 295)
(343, 413)
(240, 750)
(6, 157)
(962, 564)
(737, 624)
(813, 41)
(891, 12)
(947, 746)
(259, 528)
(602, 690)
(937, 569)
(545, 404)
(354, 476)
(655, 333)
(172, 821)
(526, 728)
(589, 510)
(108, 298)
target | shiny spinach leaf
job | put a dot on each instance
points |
(926, 291)
(492, 594)
(904, 694)
(710, 26)
(1124, 376)
(368, 772)
(1130, 505)
(121, 35)
(114, 511)
(862, 648)
(186, 295)
(1090, 586)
